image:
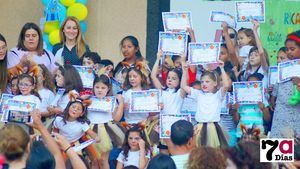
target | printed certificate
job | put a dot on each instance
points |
(247, 10)
(177, 20)
(144, 101)
(18, 111)
(289, 69)
(166, 121)
(58, 96)
(3, 102)
(273, 75)
(172, 43)
(218, 16)
(248, 92)
(107, 104)
(87, 76)
(203, 53)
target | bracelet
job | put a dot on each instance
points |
(67, 149)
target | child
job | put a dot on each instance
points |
(246, 41)
(108, 66)
(135, 149)
(209, 101)
(253, 114)
(91, 59)
(14, 85)
(109, 130)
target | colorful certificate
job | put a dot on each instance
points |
(247, 10)
(289, 69)
(225, 103)
(144, 101)
(166, 121)
(87, 75)
(273, 75)
(18, 111)
(116, 86)
(203, 53)
(189, 106)
(83, 145)
(177, 20)
(59, 95)
(172, 43)
(218, 16)
(107, 104)
(248, 92)
(3, 101)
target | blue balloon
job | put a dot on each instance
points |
(83, 26)
(81, 1)
(46, 42)
(45, 2)
(62, 13)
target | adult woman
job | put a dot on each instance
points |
(3, 64)
(30, 49)
(72, 46)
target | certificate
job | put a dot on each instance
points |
(106, 104)
(3, 101)
(116, 86)
(144, 101)
(289, 69)
(172, 43)
(18, 111)
(218, 16)
(166, 121)
(247, 10)
(226, 101)
(248, 92)
(83, 145)
(189, 106)
(58, 96)
(203, 53)
(177, 20)
(273, 75)
(87, 76)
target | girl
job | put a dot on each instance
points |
(91, 59)
(209, 101)
(286, 115)
(72, 46)
(245, 40)
(108, 129)
(14, 85)
(3, 64)
(135, 149)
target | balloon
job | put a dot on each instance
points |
(82, 1)
(51, 26)
(78, 10)
(83, 26)
(67, 2)
(54, 37)
(62, 13)
(45, 2)
(295, 98)
(46, 42)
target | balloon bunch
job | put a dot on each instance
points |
(295, 98)
(56, 11)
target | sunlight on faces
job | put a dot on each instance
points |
(75, 111)
(3, 50)
(135, 79)
(242, 39)
(282, 57)
(172, 81)
(87, 62)
(223, 54)
(133, 140)
(128, 49)
(254, 58)
(292, 50)
(31, 39)
(100, 90)
(70, 30)
(59, 78)
(207, 84)
(25, 86)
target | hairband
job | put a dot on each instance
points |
(294, 38)
(74, 97)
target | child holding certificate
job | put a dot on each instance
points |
(209, 102)
(246, 41)
(286, 115)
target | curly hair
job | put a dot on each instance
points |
(48, 82)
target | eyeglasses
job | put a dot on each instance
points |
(24, 85)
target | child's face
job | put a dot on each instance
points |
(3, 49)
(177, 63)
(134, 79)
(59, 78)
(223, 54)
(75, 111)
(207, 84)
(172, 80)
(25, 86)
(242, 39)
(282, 57)
(292, 50)
(254, 59)
(14, 86)
(70, 30)
(87, 62)
(40, 77)
(100, 90)
(133, 140)
(128, 49)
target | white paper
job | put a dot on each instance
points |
(177, 20)
(172, 43)
(59, 95)
(248, 92)
(273, 75)
(217, 16)
(203, 53)
(289, 69)
(166, 122)
(83, 145)
(87, 76)
(144, 101)
(247, 10)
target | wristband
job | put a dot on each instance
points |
(67, 149)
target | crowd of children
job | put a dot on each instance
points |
(36, 75)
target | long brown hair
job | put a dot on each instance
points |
(48, 82)
(3, 69)
(80, 44)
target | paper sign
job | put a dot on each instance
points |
(228, 100)
(203, 53)
(166, 121)
(87, 76)
(189, 106)
(289, 69)
(18, 111)
(144, 101)
(273, 75)
(3, 101)
(247, 10)
(58, 96)
(248, 92)
(217, 16)
(172, 43)
(83, 145)
(177, 21)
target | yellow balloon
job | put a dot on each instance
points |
(78, 10)
(67, 2)
(54, 37)
(51, 26)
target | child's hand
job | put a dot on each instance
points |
(61, 141)
(53, 110)
(159, 54)
(120, 98)
(261, 106)
(296, 81)
(142, 144)
(255, 24)
(97, 139)
(36, 117)
(221, 64)
(236, 106)
(225, 27)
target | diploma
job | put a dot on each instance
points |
(226, 101)
(144, 101)
(18, 111)
(289, 69)
(116, 86)
(83, 145)
(104, 105)
(247, 10)
(172, 43)
(3, 102)
(189, 106)
(273, 75)
(248, 92)
(166, 121)
(203, 53)
(87, 76)
(217, 16)
(177, 20)
(58, 96)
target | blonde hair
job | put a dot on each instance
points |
(13, 142)
(80, 44)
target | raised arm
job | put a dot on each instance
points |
(192, 34)
(183, 84)
(117, 115)
(155, 71)
(225, 78)
(260, 48)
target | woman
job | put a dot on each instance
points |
(30, 49)
(3, 64)
(71, 48)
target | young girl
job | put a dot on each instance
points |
(91, 59)
(209, 101)
(245, 40)
(135, 149)
(111, 133)
(286, 115)
(14, 85)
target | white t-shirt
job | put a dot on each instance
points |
(47, 97)
(73, 131)
(30, 98)
(63, 101)
(208, 105)
(172, 101)
(132, 117)
(132, 159)
(181, 160)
